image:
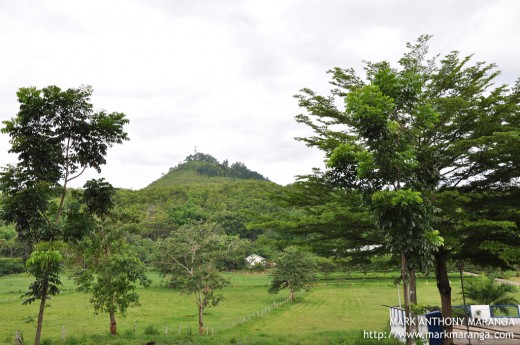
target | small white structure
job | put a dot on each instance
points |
(255, 259)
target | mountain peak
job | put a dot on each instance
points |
(200, 167)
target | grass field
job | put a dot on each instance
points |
(333, 312)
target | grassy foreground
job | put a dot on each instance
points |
(335, 312)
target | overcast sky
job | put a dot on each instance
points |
(219, 75)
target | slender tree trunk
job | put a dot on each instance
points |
(406, 293)
(413, 286)
(201, 319)
(43, 301)
(413, 297)
(291, 295)
(113, 324)
(443, 285)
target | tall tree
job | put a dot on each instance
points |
(407, 133)
(57, 135)
(189, 257)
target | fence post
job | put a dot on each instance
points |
(18, 338)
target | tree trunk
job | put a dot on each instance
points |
(201, 319)
(406, 293)
(291, 295)
(443, 285)
(413, 298)
(113, 324)
(413, 286)
(43, 301)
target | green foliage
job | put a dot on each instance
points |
(98, 197)
(408, 134)
(189, 257)
(10, 246)
(46, 265)
(295, 270)
(11, 266)
(109, 268)
(486, 290)
(200, 167)
(480, 227)
(407, 221)
(57, 135)
(415, 135)
(424, 124)
(183, 196)
(332, 221)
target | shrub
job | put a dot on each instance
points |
(11, 266)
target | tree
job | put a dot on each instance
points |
(295, 270)
(188, 258)
(109, 267)
(57, 135)
(407, 133)
(45, 264)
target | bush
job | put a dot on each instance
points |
(11, 266)
(486, 290)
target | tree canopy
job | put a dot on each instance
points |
(295, 270)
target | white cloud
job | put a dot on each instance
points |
(220, 75)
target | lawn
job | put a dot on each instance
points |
(335, 309)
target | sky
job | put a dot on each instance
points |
(219, 76)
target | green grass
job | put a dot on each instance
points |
(333, 312)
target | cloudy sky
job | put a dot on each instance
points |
(219, 75)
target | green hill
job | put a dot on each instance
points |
(203, 189)
(202, 168)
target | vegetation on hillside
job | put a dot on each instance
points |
(199, 166)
